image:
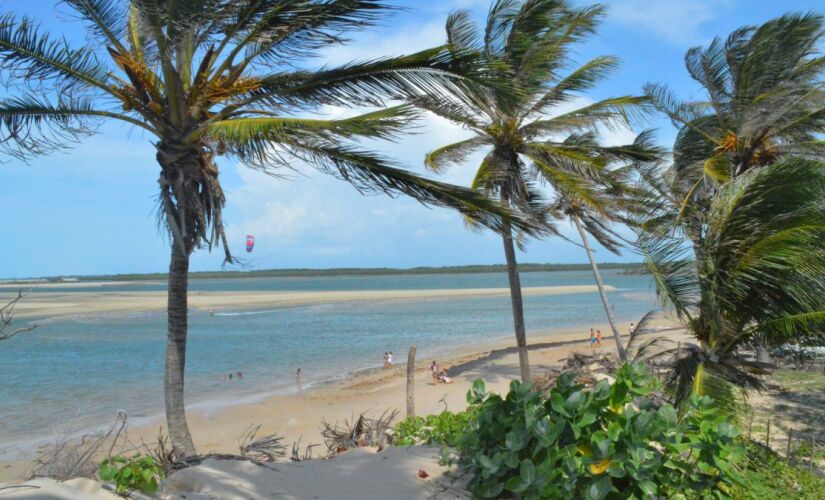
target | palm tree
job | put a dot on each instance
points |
(207, 78)
(529, 43)
(762, 275)
(610, 197)
(764, 100)
(764, 103)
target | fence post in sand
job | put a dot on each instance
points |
(411, 382)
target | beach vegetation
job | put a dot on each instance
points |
(445, 428)
(539, 132)
(221, 78)
(766, 474)
(139, 473)
(610, 440)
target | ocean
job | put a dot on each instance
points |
(74, 373)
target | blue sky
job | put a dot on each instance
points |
(90, 210)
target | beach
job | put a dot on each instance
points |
(297, 416)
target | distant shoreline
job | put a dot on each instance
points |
(55, 303)
(628, 268)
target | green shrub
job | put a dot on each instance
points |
(445, 428)
(766, 475)
(138, 473)
(606, 442)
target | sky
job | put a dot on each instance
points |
(91, 209)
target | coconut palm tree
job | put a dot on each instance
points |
(525, 129)
(610, 197)
(764, 99)
(764, 103)
(762, 275)
(205, 78)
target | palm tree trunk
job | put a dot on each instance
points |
(600, 286)
(518, 305)
(176, 353)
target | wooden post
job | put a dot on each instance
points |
(788, 453)
(411, 382)
(768, 436)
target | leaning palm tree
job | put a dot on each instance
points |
(530, 43)
(610, 197)
(764, 102)
(206, 78)
(762, 275)
(764, 99)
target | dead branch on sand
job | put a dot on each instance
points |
(69, 458)
(265, 448)
(364, 431)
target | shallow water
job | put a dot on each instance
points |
(74, 373)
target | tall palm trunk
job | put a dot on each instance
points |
(600, 286)
(515, 298)
(176, 352)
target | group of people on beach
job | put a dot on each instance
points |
(237, 376)
(439, 375)
(388, 359)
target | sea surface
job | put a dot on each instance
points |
(74, 373)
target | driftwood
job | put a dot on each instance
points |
(364, 431)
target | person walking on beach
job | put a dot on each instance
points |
(599, 339)
(389, 360)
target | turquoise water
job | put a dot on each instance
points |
(75, 373)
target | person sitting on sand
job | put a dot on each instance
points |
(239, 375)
(444, 378)
(632, 329)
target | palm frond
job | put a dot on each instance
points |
(370, 173)
(261, 133)
(31, 126)
(31, 57)
(440, 159)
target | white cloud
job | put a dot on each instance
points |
(679, 22)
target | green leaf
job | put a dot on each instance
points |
(599, 488)
(527, 472)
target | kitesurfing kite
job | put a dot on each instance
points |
(250, 243)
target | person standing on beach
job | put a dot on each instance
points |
(592, 339)
(389, 360)
(386, 356)
(598, 338)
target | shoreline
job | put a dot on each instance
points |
(47, 305)
(296, 414)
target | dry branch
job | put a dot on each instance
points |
(69, 458)
(265, 448)
(365, 431)
(7, 318)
